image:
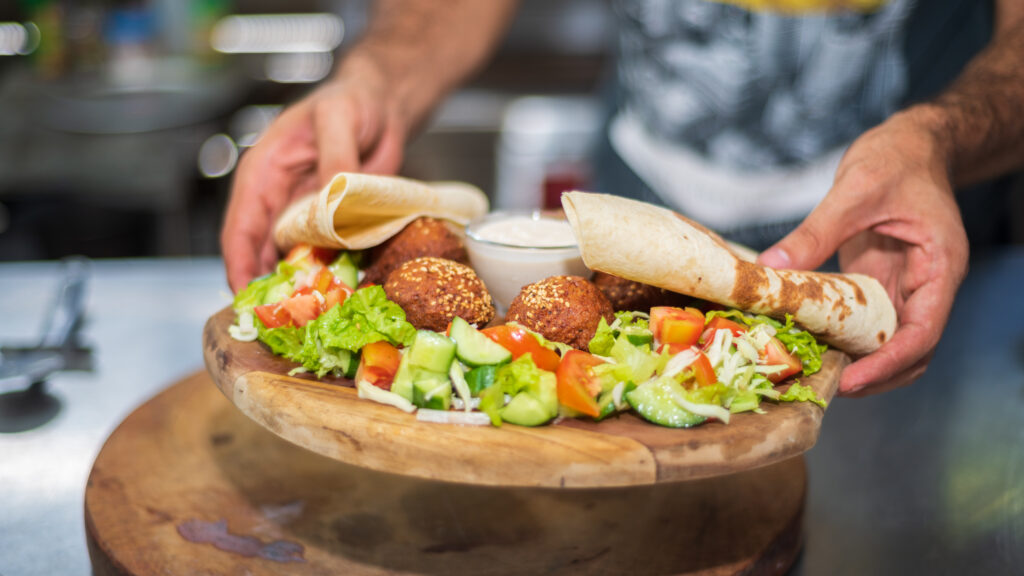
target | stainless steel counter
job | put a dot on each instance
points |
(928, 479)
(144, 323)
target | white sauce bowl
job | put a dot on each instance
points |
(511, 249)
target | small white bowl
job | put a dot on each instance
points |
(507, 263)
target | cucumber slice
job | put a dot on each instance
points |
(546, 393)
(638, 336)
(480, 378)
(475, 349)
(431, 351)
(402, 384)
(345, 269)
(431, 390)
(653, 402)
(606, 401)
(277, 293)
(525, 410)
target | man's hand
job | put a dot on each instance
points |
(407, 60)
(343, 126)
(892, 215)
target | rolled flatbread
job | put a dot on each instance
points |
(656, 246)
(357, 211)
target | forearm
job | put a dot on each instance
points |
(419, 50)
(979, 119)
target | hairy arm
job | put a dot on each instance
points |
(422, 49)
(891, 212)
(413, 53)
(978, 118)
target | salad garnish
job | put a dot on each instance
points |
(676, 367)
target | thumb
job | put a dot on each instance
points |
(813, 242)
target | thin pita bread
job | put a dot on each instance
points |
(656, 246)
(358, 211)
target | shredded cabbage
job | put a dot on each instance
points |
(370, 392)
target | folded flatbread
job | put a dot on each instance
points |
(656, 246)
(357, 211)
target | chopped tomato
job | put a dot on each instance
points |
(702, 370)
(306, 255)
(379, 364)
(336, 294)
(302, 308)
(673, 349)
(719, 323)
(577, 385)
(677, 326)
(273, 315)
(519, 341)
(323, 280)
(775, 354)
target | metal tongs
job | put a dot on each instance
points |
(58, 349)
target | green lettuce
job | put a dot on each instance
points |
(625, 323)
(266, 289)
(518, 375)
(521, 377)
(603, 339)
(798, 342)
(800, 393)
(366, 316)
(328, 344)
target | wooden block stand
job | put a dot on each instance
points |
(188, 484)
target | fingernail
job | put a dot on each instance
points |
(775, 258)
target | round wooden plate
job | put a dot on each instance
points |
(189, 485)
(328, 417)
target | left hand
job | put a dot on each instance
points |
(892, 215)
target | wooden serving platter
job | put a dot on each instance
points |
(187, 484)
(329, 418)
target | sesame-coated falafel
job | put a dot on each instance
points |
(565, 309)
(421, 237)
(432, 291)
(631, 296)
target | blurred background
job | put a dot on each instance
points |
(121, 121)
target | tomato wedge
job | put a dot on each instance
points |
(305, 255)
(323, 280)
(519, 341)
(336, 294)
(379, 364)
(302, 308)
(677, 326)
(272, 315)
(774, 354)
(578, 387)
(719, 323)
(703, 372)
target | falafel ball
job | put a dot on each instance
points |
(421, 237)
(432, 291)
(631, 296)
(565, 309)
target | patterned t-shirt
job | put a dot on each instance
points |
(754, 90)
(740, 89)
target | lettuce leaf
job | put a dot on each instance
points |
(800, 393)
(518, 375)
(799, 342)
(603, 340)
(366, 316)
(624, 323)
(328, 344)
(265, 289)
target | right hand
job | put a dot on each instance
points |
(348, 124)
